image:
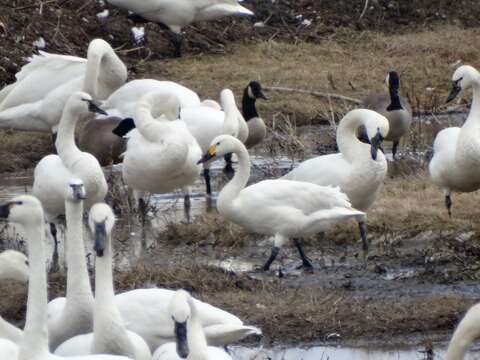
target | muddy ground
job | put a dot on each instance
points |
(423, 269)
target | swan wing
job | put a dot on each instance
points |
(8, 349)
(443, 160)
(204, 123)
(78, 345)
(55, 308)
(324, 170)
(166, 351)
(145, 312)
(41, 75)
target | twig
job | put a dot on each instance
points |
(34, 5)
(314, 93)
(364, 10)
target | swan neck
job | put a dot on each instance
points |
(197, 343)
(92, 71)
(149, 127)
(35, 339)
(78, 283)
(65, 143)
(230, 123)
(249, 110)
(474, 115)
(10, 332)
(240, 179)
(347, 141)
(459, 344)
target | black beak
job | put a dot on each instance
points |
(4, 211)
(376, 143)
(100, 238)
(262, 95)
(205, 158)
(124, 127)
(94, 107)
(79, 192)
(456, 88)
(181, 339)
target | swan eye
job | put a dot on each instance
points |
(27, 263)
(218, 143)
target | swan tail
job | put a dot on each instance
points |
(331, 216)
(4, 93)
(223, 334)
(23, 117)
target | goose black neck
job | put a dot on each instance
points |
(248, 106)
(394, 100)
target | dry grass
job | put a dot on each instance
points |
(355, 68)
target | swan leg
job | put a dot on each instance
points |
(228, 169)
(271, 259)
(395, 148)
(306, 263)
(55, 262)
(206, 175)
(187, 206)
(448, 204)
(362, 226)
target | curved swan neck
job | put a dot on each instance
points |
(92, 71)
(10, 332)
(78, 283)
(473, 118)
(230, 123)
(65, 143)
(249, 110)
(150, 128)
(197, 343)
(348, 144)
(465, 334)
(35, 339)
(240, 179)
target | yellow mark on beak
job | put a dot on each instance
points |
(212, 150)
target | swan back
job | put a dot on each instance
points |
(13, 266)
(214, 9)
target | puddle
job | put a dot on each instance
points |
(341, 353)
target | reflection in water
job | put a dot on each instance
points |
(339, 353)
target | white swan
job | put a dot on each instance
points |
(13, 266)
(161, 153)
(177, 14)
(467, 331)
(283, 208)
(190, 341)
(109, 334)
(27, 211)
(36, 101)
(53, 172)
(359, 169)
(456, 151)
(396, 109)
(204, 122)
(8, 349)
(257, 130)
(72, 315)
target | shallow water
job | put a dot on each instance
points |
(340, 353)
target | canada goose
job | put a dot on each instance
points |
(37, 99)
(27, 212)
(256, 126)
(358, 169)
(110, 335)
(454, 165)
(53, 172)
(174, 15)
(465, 334)
(396, 109)
(283, 208)
(190, 341)
(98, 139)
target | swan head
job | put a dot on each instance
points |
(75, 191)
(161, 104)
(180, 311)
(13, 266)
(82, 103)
(464, 77)
(101, 221)
(221, 146)
(376, 126)
(23, 210)
(255, 91)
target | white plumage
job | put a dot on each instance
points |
(110, 335)
(283, 208)
(455, 165)
(53, 172)
(36, 100)
(467, 331)
(190, 338)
